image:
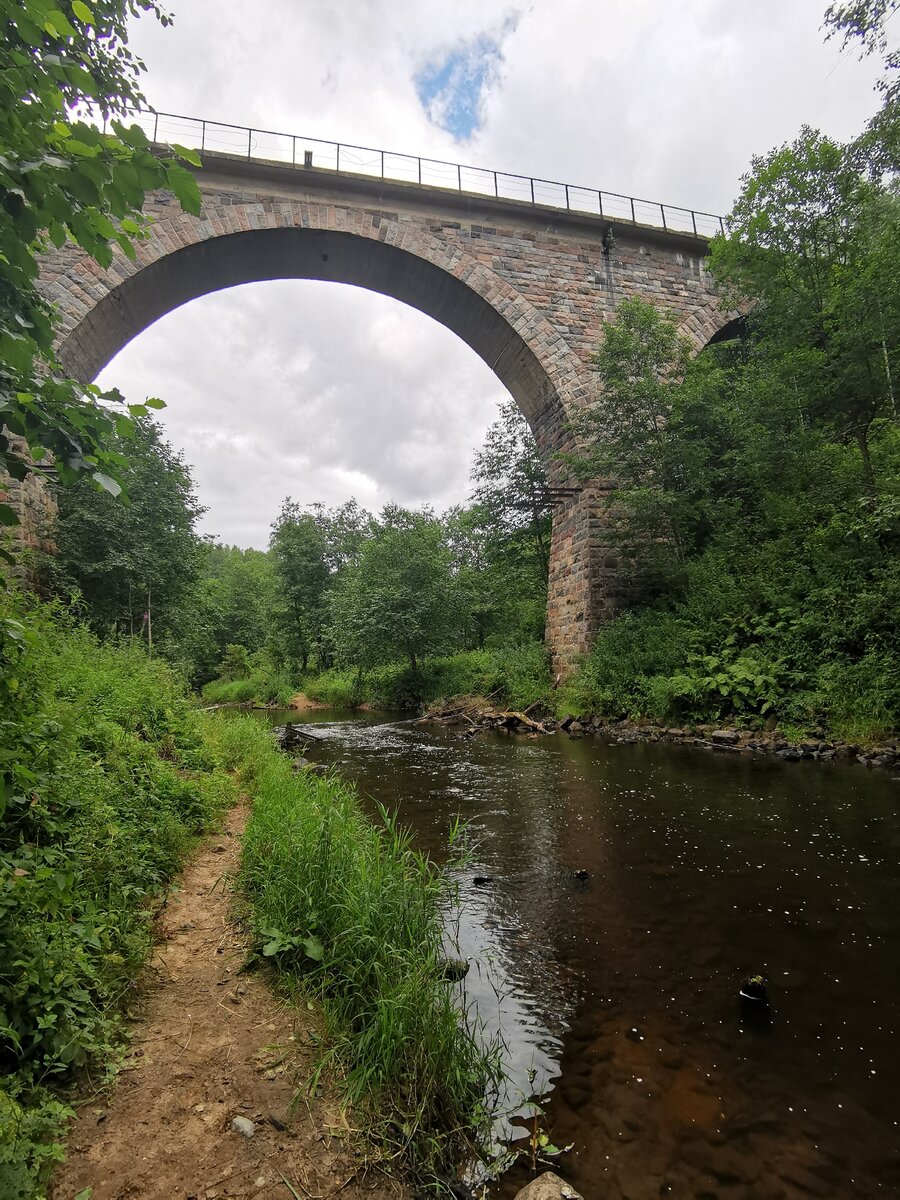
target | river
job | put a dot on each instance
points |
(617, 994)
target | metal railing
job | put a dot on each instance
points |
(305, 152)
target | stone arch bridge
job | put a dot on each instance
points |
(525, 280)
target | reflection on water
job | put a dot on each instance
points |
(618, 995)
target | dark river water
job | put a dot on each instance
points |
(617, 996)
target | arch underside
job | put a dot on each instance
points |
(253, 256)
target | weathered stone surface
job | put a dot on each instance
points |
(529, 288)
(548, 1186)
(33, 502)
(725, 737)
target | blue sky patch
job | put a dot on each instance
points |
(451, 85)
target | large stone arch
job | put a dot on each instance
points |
(528, 287)
(184, 258)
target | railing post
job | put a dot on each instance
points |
(155, 128)
(249, 143)
(600, 202)
(567, 195)
(496, 189)
(202, 136)
(633, 217)
(338, 158)
(722, 226)
(662, 211)
(419, 161)
(458, 177)
(531, 181)
(293, 150)
(382, 164)
(694, 221)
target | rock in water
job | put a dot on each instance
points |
(454, 969)
(548, 1186)
(242, 1125)
(754, 998)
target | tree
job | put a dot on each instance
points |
(401, 600)
(812, 248)
(131, 563)
(503, 594)
(636, 437)
(511, 486)
(298, 549)
(63, 179)
(864, 21)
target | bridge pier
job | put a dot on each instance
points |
(583, 589)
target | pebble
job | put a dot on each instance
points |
(242, 1125)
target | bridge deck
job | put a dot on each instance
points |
(294, 150)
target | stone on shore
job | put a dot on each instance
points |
(548, 1186)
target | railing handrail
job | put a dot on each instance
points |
(457, 168)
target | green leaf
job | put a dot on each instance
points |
(8, 515)
(155, 402)
(187, 153)
(314, 948)
(185, 187)
(82, 12)
(107, 483)
(57, 24)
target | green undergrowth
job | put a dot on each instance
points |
(348, 913)
(263, 686)
(514, 676)
(104, 785)
(755, 637)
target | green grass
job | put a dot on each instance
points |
(262, 687)
(105, 786)
(515, 677)
(347, 911)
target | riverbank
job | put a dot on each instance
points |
(349, 915)
(476, 713)
(109, 779)
(205, 1104)
(605, 692)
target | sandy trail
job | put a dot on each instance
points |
(211, 1044)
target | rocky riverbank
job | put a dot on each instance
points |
(473, 714)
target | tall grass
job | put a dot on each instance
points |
(262, 687)
(346, 908)
(104, 786)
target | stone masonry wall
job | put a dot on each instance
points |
(529, 289)
(35, 507)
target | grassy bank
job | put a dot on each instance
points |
(517, 677)
(263, 686)
(348, 913)
(700, 661)
(105, 786)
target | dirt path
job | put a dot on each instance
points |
(211, 1045)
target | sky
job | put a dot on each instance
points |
(322, 391)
